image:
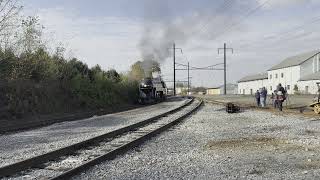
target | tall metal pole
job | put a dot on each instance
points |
(174, 69)
(188, 79)
(225, 65)
(225, 68)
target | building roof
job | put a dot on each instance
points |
(213, 88)
(254, 77)
(309, 77)
(295, 60)
(229, 86)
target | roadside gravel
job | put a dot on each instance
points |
(22, 145)
(215, 145)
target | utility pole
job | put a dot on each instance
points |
(188, 79)
(225, 68)
(174, 69)
(225, 64)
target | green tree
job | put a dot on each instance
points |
(179, 85)
(198, 89)
(113, 75)
(142, 69)
(136, 71)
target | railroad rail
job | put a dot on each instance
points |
(69, 161)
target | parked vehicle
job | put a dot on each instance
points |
(316, 104)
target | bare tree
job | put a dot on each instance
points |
(9, 22)
(31, 33)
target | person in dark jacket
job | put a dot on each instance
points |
(263, 97)
(280, 96)
(275, 105)
(257, 96)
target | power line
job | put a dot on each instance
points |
(200, 68)
(225, 5)
(283, 33)
(214, 65)
(181, 64)
(252, 11)
(207, 69)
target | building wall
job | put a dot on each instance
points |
(307, 67)
(291, 76)
(213, 91)
(250, 87)
(308, 87)
(231, 89)
(310, 66)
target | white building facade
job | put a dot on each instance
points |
(250, 84)
(288, 77)
(231, 89)
(297, 74)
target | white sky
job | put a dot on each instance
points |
(108, 32)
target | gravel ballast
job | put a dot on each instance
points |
(55, 168)
(215, 145)
(22, 145)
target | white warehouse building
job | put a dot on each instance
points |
(250, 84)
(297, 74)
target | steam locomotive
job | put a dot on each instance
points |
(152, 90)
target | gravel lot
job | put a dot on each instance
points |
(215, 145)
(18, 146)
(292, 101)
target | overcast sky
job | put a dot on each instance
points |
(116, 33)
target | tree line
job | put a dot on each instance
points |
(35, 81)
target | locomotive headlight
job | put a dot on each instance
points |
(143, 85)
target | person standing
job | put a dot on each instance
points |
(257, 96)
(263, 97)
(275, 103)
(281, 96)
(265, 92)
(273, 100)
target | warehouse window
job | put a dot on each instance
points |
(244, 91)
(288, 87)
(276, 76)
(281, 75)
(270, 88)
(270, 76)
(251, 92)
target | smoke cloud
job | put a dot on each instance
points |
(163, 27)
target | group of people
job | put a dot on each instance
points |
(277, 97)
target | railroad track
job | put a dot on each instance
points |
(69, 161)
